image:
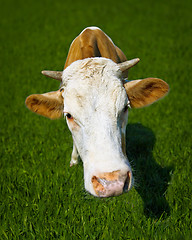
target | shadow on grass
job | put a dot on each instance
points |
(151, 180)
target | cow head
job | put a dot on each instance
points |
(95, 98)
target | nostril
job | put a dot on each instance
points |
(127, 184)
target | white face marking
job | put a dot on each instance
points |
(95, 98)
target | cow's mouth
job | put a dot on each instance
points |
(111, 183)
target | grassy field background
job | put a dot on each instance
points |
(41, 197)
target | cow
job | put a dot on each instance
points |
(94, 97)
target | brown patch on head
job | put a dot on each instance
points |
(144, 92)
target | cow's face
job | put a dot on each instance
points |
(95, 103)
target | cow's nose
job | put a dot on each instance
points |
(111, 183)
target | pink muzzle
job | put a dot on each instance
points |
(111, 183)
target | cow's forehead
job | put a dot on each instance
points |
(94, 83)
(91, 66)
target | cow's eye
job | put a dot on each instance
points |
(69, 116)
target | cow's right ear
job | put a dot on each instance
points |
(49, 104)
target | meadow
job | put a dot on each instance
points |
(41, 197)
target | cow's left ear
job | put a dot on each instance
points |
(146, 91)
(49, 104)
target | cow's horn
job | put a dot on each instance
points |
(53, 74)
(128, 64)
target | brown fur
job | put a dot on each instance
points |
(146, 91)
(49, 104)
(93, 43)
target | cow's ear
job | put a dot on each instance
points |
(146, 91)
(48, 104)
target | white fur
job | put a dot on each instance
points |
(94, 95)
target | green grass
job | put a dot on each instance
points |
(41, 197)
